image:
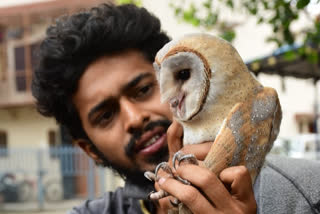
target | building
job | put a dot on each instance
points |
(22, 28)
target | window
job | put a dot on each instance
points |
(306, 123)
(25, 62)
(53, 143)
(3, 144)
(52, 138)
(3, 54)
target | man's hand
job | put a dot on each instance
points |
(231, 192)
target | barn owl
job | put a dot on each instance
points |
(215, 98)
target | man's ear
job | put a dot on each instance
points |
(88, 148)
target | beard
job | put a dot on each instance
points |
(135, 175)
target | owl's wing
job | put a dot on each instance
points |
(247, 134)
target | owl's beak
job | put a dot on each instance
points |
(176, 104)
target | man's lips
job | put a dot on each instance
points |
(151, 141)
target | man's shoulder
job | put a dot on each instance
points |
(287, 183)
(110, 202)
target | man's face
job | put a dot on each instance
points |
(119, 105)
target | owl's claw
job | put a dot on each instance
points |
(184, 181)
(190, 158)
(150, 176)
(154, 176)
(179, 157)
(165, 167)
(157, 195)
(175, 202)
(176, 156)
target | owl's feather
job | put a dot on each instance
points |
(216, 98)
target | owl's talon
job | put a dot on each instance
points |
(175, 202)
(179, 157)
(176, 157)
(165, 167)
(184, 181)
(190, 158)
(150, 175)
(157, 195)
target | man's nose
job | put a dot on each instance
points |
(135, 115)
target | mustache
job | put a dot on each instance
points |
(129, 149)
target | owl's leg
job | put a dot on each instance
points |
(177, 159)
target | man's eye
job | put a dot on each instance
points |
(144, 91)
(105, 117)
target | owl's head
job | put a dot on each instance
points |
(186, 68)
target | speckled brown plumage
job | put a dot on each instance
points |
(228, 107)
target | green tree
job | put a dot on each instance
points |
(279, 14)
(136, 2)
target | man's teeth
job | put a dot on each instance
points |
(152, 140)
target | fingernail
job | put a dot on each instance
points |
(161, 180)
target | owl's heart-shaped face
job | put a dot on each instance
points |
(183, 82)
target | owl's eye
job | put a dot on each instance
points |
(183, 74)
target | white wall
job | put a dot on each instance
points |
(25, 127)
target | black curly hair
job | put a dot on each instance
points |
(75, 41)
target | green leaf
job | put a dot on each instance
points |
(260, 20)
(207, 4)
(301, 51)
(190, 16)
(302, 3)
(136, 2)
(195, 22)
(229, 35)
(313, 57)
(265, 5)
(211, 20)
(177, 11)
(230, 3)
(274, 39)
(290, 55)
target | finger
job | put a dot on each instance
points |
(202, 178)
(188, 195)
(199, 150)
(174, 135)
(239, 180)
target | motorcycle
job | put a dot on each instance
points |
(8, 188)
(12, 190)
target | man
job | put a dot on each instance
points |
(95, 76)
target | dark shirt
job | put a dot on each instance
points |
(284, 185)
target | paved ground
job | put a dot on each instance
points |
(33, 208)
